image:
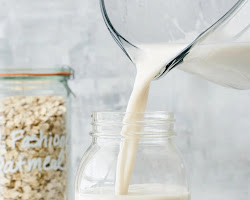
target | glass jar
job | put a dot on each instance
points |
(158, 172)
(34, 133)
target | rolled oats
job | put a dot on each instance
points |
(33, 150)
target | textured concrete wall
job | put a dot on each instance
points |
(212, 122)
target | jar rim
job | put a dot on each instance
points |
(154, 114)
(20, 73)
(150, 124)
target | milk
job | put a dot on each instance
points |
(148, 64)
(227, 64)
(139, 192)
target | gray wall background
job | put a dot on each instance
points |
(213, 123)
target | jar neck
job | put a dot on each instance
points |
(143, 127)
(34, 86)
(24, 81)
(116, 142)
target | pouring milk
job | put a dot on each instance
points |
(148, 66)
(149, 63)
(230, 61)
(225, 63)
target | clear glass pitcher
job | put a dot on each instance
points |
(159, 171)
(188, 34)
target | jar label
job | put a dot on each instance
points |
(28, 142)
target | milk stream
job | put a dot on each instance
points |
(139, 192)
(148, 65)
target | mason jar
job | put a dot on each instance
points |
(158, 170)
(34, 133)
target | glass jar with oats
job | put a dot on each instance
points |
(34, 134)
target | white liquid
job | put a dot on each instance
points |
(226, 64)
(138, 192)
(148, 66)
